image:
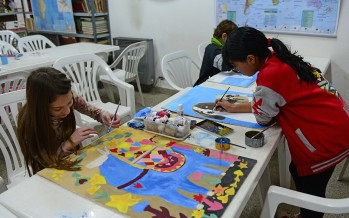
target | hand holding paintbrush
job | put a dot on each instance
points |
(215, 105)
(113, 119)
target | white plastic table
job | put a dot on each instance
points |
(44, 58)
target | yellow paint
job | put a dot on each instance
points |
(123, 202)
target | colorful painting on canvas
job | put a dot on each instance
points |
(140, 174)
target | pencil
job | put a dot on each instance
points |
(214, 107)
(116, 111)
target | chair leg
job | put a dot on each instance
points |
(345, 166)
(140, 91)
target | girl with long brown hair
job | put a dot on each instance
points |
(47, 130)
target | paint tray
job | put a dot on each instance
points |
(179, 132)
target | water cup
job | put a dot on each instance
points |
(4, 60)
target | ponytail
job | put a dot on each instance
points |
(304, 69)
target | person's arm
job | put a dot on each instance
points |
(266, 104)
(98, 114)
(72, 143)
(224, 105)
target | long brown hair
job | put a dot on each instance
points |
(36, 136)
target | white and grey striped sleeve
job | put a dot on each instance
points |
(266, 104)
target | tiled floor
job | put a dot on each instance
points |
(336, 189)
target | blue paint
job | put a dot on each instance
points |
(164, 185)
(242, 82)
(200, 94)
(140, 206)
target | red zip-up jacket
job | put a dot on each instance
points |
(313, 117)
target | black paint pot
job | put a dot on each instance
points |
(255, 142)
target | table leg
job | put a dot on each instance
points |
(284, 159)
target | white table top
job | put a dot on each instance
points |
(38, 197)
(47, 57)
(55, 200)
(262, 155)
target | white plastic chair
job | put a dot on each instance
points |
(10, 37)
(7, 49)
(201, 49)
(13, 81)
(82, 70)
(34, 43)
(277, 195)
(129, 60)
(12, 101)
(180, 69)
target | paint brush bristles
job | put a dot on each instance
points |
(114, 117)
(214, 107)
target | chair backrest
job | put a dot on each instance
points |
(10, 37)
(10, 104)
(83, 70)
(34, 43)
(13, 81)
(7, 49)
(201, 49)
(129, 58)
(277, 195)
(180, 69)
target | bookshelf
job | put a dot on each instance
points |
(12, 16)
(91, 19)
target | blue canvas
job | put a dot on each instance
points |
(241, 82)
(201, 94)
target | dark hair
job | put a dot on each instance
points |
(225, 26)
(36, 137)
(246, 41)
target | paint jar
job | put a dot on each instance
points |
(254, 142)
(4, 60)
(174, 126)
(222, 143)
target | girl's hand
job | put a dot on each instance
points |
(79, 135)
(226, 106)
(108, 117)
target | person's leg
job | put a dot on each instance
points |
(313, 184)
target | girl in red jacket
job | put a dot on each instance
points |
(312, 114)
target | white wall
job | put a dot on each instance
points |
(184, 24)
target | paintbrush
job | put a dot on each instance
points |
(114, 117)
(214, 107)
(237, 145)
(263, 131)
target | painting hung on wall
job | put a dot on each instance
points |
(140, 174)
(53, 15)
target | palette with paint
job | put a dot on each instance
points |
(214, 127)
